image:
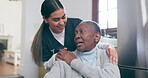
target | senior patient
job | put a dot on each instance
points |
(87, 61)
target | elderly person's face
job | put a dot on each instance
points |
(85, 37)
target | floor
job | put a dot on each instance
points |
(8, 69)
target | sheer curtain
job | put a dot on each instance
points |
(142, 36)
(133, 35)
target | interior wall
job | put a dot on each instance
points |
(78, 8)
(31, 20)
(10, 19)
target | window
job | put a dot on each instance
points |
(108, 17)
(108, 14)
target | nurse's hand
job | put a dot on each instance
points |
(112, 54)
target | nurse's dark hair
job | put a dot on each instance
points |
(47, 8)
(50, 6)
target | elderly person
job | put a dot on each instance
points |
(87, 61)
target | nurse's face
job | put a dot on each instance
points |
(57, 21)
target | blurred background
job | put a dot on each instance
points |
(124, 23)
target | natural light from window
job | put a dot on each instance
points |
(108, 14)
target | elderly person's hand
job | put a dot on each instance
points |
(112, 53)
(65, 55)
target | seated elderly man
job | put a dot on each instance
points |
(87, 61)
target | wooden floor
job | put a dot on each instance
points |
(8, 69)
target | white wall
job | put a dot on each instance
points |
(78, 8)
(10, 18)
(31, 20)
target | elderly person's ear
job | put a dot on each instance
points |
(97, 37)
